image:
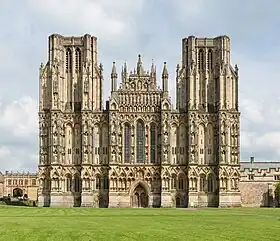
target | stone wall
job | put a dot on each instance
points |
(256, 194)
(1, 189)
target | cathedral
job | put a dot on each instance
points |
(137, 150)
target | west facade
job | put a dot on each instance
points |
(138, 151)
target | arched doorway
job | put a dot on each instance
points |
(139, 197)
(178, 202)
(17, 192)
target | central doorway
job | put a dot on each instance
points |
(17, 192)
(139, 197)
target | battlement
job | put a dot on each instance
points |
(19, 174)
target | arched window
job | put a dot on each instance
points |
(68, 183)
(97, 182)
(181, 181)
(105, 182)
(68, 60)
(210, 182)
(200, 59)
(140, 142)
(210, 59)
(127, 143)
(78, 60)
(202, 182)
(173, 182)
(77, 184)
(153, 143)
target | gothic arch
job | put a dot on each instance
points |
(140, 141)
(78, 59)
(211, 185)
(68, 60)
(200, 59)
(139, 182)
(209, 134)
(174, 142)
(127, 142)
(173, 181)
(153, 142)
(201, 143)
(209, 59)
(202, 182)
(68, 182)
(181, 181)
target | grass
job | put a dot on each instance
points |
(26, 223)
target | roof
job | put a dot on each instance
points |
(259, 165)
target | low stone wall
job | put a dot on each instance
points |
(256, 194)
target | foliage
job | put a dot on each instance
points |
(277, 193)
(138, 224)
(28, 203)
(277, 189)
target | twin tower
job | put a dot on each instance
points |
(138, 151)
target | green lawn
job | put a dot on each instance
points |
(24, 223)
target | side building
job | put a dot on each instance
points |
(19, 184)
(138, 151)
(258, 182)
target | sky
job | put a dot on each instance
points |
(126, 28)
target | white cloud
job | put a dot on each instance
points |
(4, 152)
(125, 28)
(20, 117)
(107, 19)
(8, 160)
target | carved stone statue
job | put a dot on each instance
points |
(165, 139)
(113, 139)
(192, 138)
(86, 158)
(55, 100)
(113, 157)
(165, 157)
(223, 138)
(86, 85)
(113, 128)
(55, 87)
(192, 157)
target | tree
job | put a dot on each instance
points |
(277, 194)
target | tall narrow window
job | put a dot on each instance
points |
(127, 143)
(200, 59)
(140, 142)
(153, 143)
(77, 184)
(68, 60)
(210, 183)
(78, 60)
(68, 183)
(202, 183)
(210, 59)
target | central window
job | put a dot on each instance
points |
(153, 143)
(140, 142)
(127, 143)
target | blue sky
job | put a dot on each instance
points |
(124, 29)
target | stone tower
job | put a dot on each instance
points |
(207, 91)
(71, 86)
(138, 151)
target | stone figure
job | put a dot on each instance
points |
(113, 138)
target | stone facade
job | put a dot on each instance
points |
(18, 184)
(138, 151)
(258, 182)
